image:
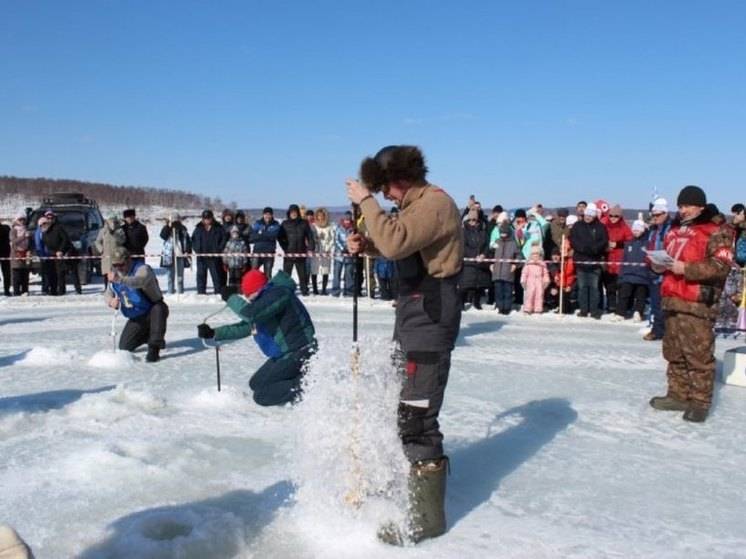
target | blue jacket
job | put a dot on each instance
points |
(656, 238)
(340, 243)
(264, 236)
(39, 246)
(132, 302)
(634, 253)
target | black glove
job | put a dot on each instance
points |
(227, 291)
(204, 331)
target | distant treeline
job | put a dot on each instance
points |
(109, 194)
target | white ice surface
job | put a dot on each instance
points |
(554, 450)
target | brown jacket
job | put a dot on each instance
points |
(428, 222)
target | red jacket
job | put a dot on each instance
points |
(706, 250)
(619, 233)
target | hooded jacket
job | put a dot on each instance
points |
(109, 237)
(295, 235)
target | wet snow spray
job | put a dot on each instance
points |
(337, 409)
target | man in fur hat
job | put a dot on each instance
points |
(429, 257)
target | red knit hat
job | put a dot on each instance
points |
(252, 281)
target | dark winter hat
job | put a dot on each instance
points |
(119, 256)
(240, 213)
(519, 213)
(252, 281)
(309, 213)
(394, 210)
(692, 196)
(497, 209)
(228, 212)
(207, 214)
(555, 250)
(268, 210)
(393, 163)
(49, 213)
(562, 212)
(293, 208)
(129, 212)
(737, 208)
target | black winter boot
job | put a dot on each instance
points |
(153, 354)
(427, 493)
(669, 403)
(695, 414)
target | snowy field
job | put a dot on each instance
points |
(554, 449)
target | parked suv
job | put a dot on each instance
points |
(81, 220)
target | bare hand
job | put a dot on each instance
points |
(678, 267)
(59, 254)
(356, 191)
(111, 276)
(355, 243)
(114, 303)
(612, 244)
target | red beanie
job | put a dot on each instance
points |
(252, 281)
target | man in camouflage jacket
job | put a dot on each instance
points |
(692, 284)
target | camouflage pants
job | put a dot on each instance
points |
(689, 348)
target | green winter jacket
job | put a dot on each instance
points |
(277, 319)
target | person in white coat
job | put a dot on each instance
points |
(321, 265)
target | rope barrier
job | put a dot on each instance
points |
(477, 260)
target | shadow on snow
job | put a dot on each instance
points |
(45, 401)
(217, 528)
(22, 320)
(478, 468)
(192, 345)
(6, 360)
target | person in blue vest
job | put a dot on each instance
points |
(134, 290)
(282, 328)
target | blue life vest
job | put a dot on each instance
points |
(132, 302)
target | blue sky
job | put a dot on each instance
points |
(275, 102)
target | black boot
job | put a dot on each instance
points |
(153, 354)
(426, 517)
(695, 414)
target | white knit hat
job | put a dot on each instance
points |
(660, 205)
(571, 220)
(639, 225)
(591, 210)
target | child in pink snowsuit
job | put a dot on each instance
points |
(534, 279)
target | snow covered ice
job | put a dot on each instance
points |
(554, 449)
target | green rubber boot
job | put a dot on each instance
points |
(427, 493)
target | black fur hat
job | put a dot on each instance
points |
(393, 163)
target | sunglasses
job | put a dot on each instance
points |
(615, 217)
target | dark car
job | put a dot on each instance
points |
(81, 220)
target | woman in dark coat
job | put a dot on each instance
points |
(475, 277)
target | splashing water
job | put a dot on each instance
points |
(348, 443)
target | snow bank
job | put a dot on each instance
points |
(111, 360)
(229, 397)
(44, 356)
